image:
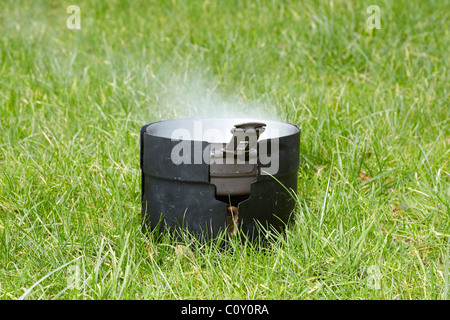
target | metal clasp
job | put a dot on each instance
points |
(243, 142)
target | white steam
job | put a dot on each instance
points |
(195, 96)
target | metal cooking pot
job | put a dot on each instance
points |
(214, 175)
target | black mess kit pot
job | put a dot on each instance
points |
(213, 176)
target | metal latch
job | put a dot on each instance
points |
(234, 165)
(243, 142)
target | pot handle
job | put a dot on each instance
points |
(245, 137)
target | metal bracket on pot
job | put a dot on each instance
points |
(243, 142)
(234, 178)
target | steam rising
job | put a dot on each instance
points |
(194, 96)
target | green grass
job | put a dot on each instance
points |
(373, 106)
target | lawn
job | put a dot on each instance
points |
(373, 212)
